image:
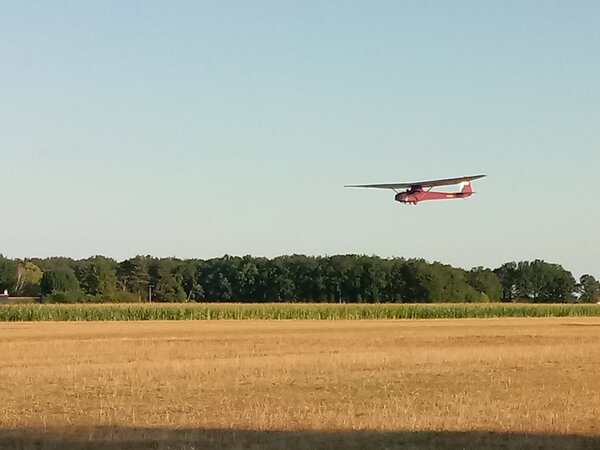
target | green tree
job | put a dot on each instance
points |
(8, 274)
(273, 280)
(539, 281)
(61, 279)
(589, 289)
(416, 283)
(97, 277)
(303, 271)
(215, 276)
(508, 276)
(166, 280)
(53, 262)
(28, 280)
(372, 278)
(187, 272)
(485, 282)
(397, 283)
(133, 276)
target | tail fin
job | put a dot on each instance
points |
(466, 189)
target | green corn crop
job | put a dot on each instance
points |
(286, 311)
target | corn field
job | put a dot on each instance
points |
(286, 311)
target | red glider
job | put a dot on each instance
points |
(420, 191)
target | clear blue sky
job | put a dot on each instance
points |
(200, 128)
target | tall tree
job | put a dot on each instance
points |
(97, 277)
(303, 271)
(166, 280)
(485, 282)
(589, 289)
(8, 273)
(539, 281)
(187, 271)
(507, 274)
(61, 279)
(28, 279)
(133, 277)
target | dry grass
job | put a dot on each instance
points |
(512, 383)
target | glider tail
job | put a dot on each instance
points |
(466, 190)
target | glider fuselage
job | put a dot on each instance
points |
(416, 195)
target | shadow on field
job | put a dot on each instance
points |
(108, 438)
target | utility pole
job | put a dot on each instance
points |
(149, 293)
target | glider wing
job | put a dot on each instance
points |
(421, 184)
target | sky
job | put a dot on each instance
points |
(201, 128)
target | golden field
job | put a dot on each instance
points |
(464, 383)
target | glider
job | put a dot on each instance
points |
(420, 191)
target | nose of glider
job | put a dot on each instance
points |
(402, 197)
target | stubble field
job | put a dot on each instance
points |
(472, 383)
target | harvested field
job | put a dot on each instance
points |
(474, 383)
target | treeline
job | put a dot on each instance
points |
(293, 278)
